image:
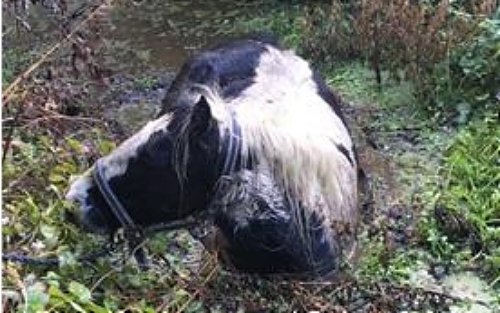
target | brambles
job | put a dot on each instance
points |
(446, 50)
(467, 84)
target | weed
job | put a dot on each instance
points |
(283, 20)
(467, 83)
(468, 206)
(13, 61)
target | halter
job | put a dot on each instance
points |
(229, 152)
(111, 199)
(121, 213)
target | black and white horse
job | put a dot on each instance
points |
(251, 139)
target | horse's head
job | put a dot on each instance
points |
(162, 173)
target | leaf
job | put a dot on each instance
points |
(66, 258)
(106, 146)
(80, 291)
(50, 233)
(482, 97)
(36, 298)
(57, 178)
(77, 307)
(75, 144)
(52, 279)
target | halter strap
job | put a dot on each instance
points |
(122, 215)
(110, 197)
(227, 162)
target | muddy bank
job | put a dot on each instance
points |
(134, 47)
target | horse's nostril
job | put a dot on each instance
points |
(71, 196)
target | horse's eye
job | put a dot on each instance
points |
(157, 152)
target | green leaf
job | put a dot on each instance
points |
(66, 258)
(77, 307)
(53, 279)
(75, 144)
(57, 178)
(80, 291)
(50, 233)
(36, 298)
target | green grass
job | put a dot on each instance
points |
(356, 83)
(456, 169)
(471, 187)
(13, 62)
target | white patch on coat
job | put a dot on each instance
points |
(288, 126)
(116, 163)
(79, 189)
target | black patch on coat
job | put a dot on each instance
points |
(152, 189)
(345, 152)
(229, 68)
(275, 244)
(266, 231)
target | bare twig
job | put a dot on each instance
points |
(56, 117)
(9, 91)
(10, 133)
(197, 291)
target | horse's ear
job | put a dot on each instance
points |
(201, 116)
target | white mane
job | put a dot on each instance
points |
(293, 132)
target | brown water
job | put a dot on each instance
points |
(167, 32)
(149, 40)
(144, 35)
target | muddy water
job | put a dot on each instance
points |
(143, 44)
(151, 33)
(150, 40)
(167, 32)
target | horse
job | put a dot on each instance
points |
(250, 140)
